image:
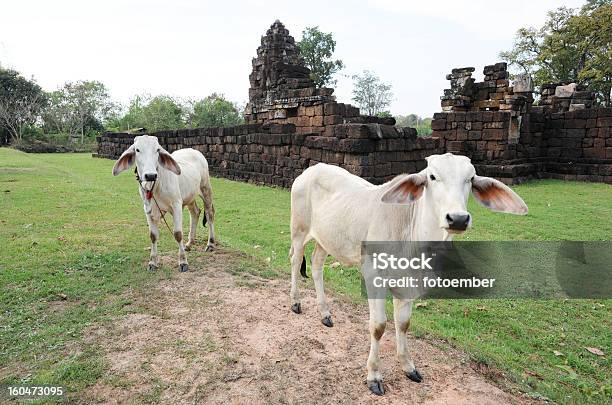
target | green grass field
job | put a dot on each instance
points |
(69, 230)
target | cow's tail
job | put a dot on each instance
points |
(302, 266)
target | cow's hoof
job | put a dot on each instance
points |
(210, 248)
(152, 267)
(297, 308)
(183, 267)
(415, 376)
(376, 387)
(327, 321)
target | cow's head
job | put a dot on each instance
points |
(148, 155)
(446, 183)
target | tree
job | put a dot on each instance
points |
(163, 112)
(317, 48)
(158, 113)
(370, 93)
(89, 100)
(134, 116)
(78, 106)
(422, 125)
(410, 120)
(58, 117)
(21, 102)
(572, 46)
(112, 119)
(214, 111)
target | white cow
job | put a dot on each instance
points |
(340, 210)
(167, 183)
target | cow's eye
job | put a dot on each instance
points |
(157, 150)
(432, 177)
(137, 150)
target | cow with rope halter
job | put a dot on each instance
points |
(167, 183)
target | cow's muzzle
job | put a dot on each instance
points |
(150, 176)
(458, 221)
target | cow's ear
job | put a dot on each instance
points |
(405, 189)
(497, 197)
(168, 162)
(125, 161)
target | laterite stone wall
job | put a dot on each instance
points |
(571, 145)
(274, 154)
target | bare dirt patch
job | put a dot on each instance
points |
(220, 335)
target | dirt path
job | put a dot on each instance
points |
(220, 335)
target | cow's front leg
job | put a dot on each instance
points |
(177, 219)
(402, 311)
(378, 321)
(298, 265)
(154, 234)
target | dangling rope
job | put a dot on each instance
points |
(149, 195)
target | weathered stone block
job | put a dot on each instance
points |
(575, 123)
(496, 124)
(358, 131)
(523, 83)
(474, 135)
(351, 111)
(604, 122)
(604, 112)
(462, 135)
(450, 135)
(438, 124)
(565, 91)
(357, 145)
(316, 121)
(493, 134)
(454, 146)
(303, 121)
(332, 120)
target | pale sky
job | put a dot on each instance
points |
(188, 48)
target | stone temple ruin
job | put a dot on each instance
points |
(281, 84)
(283, 92)
(507, 137)
(291, 125)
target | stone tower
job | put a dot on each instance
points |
(280, 81)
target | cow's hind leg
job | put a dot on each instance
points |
(209, 214)
(402, 311)
(378, 321)
(318, 260)
(298, 242)
(194, 216)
